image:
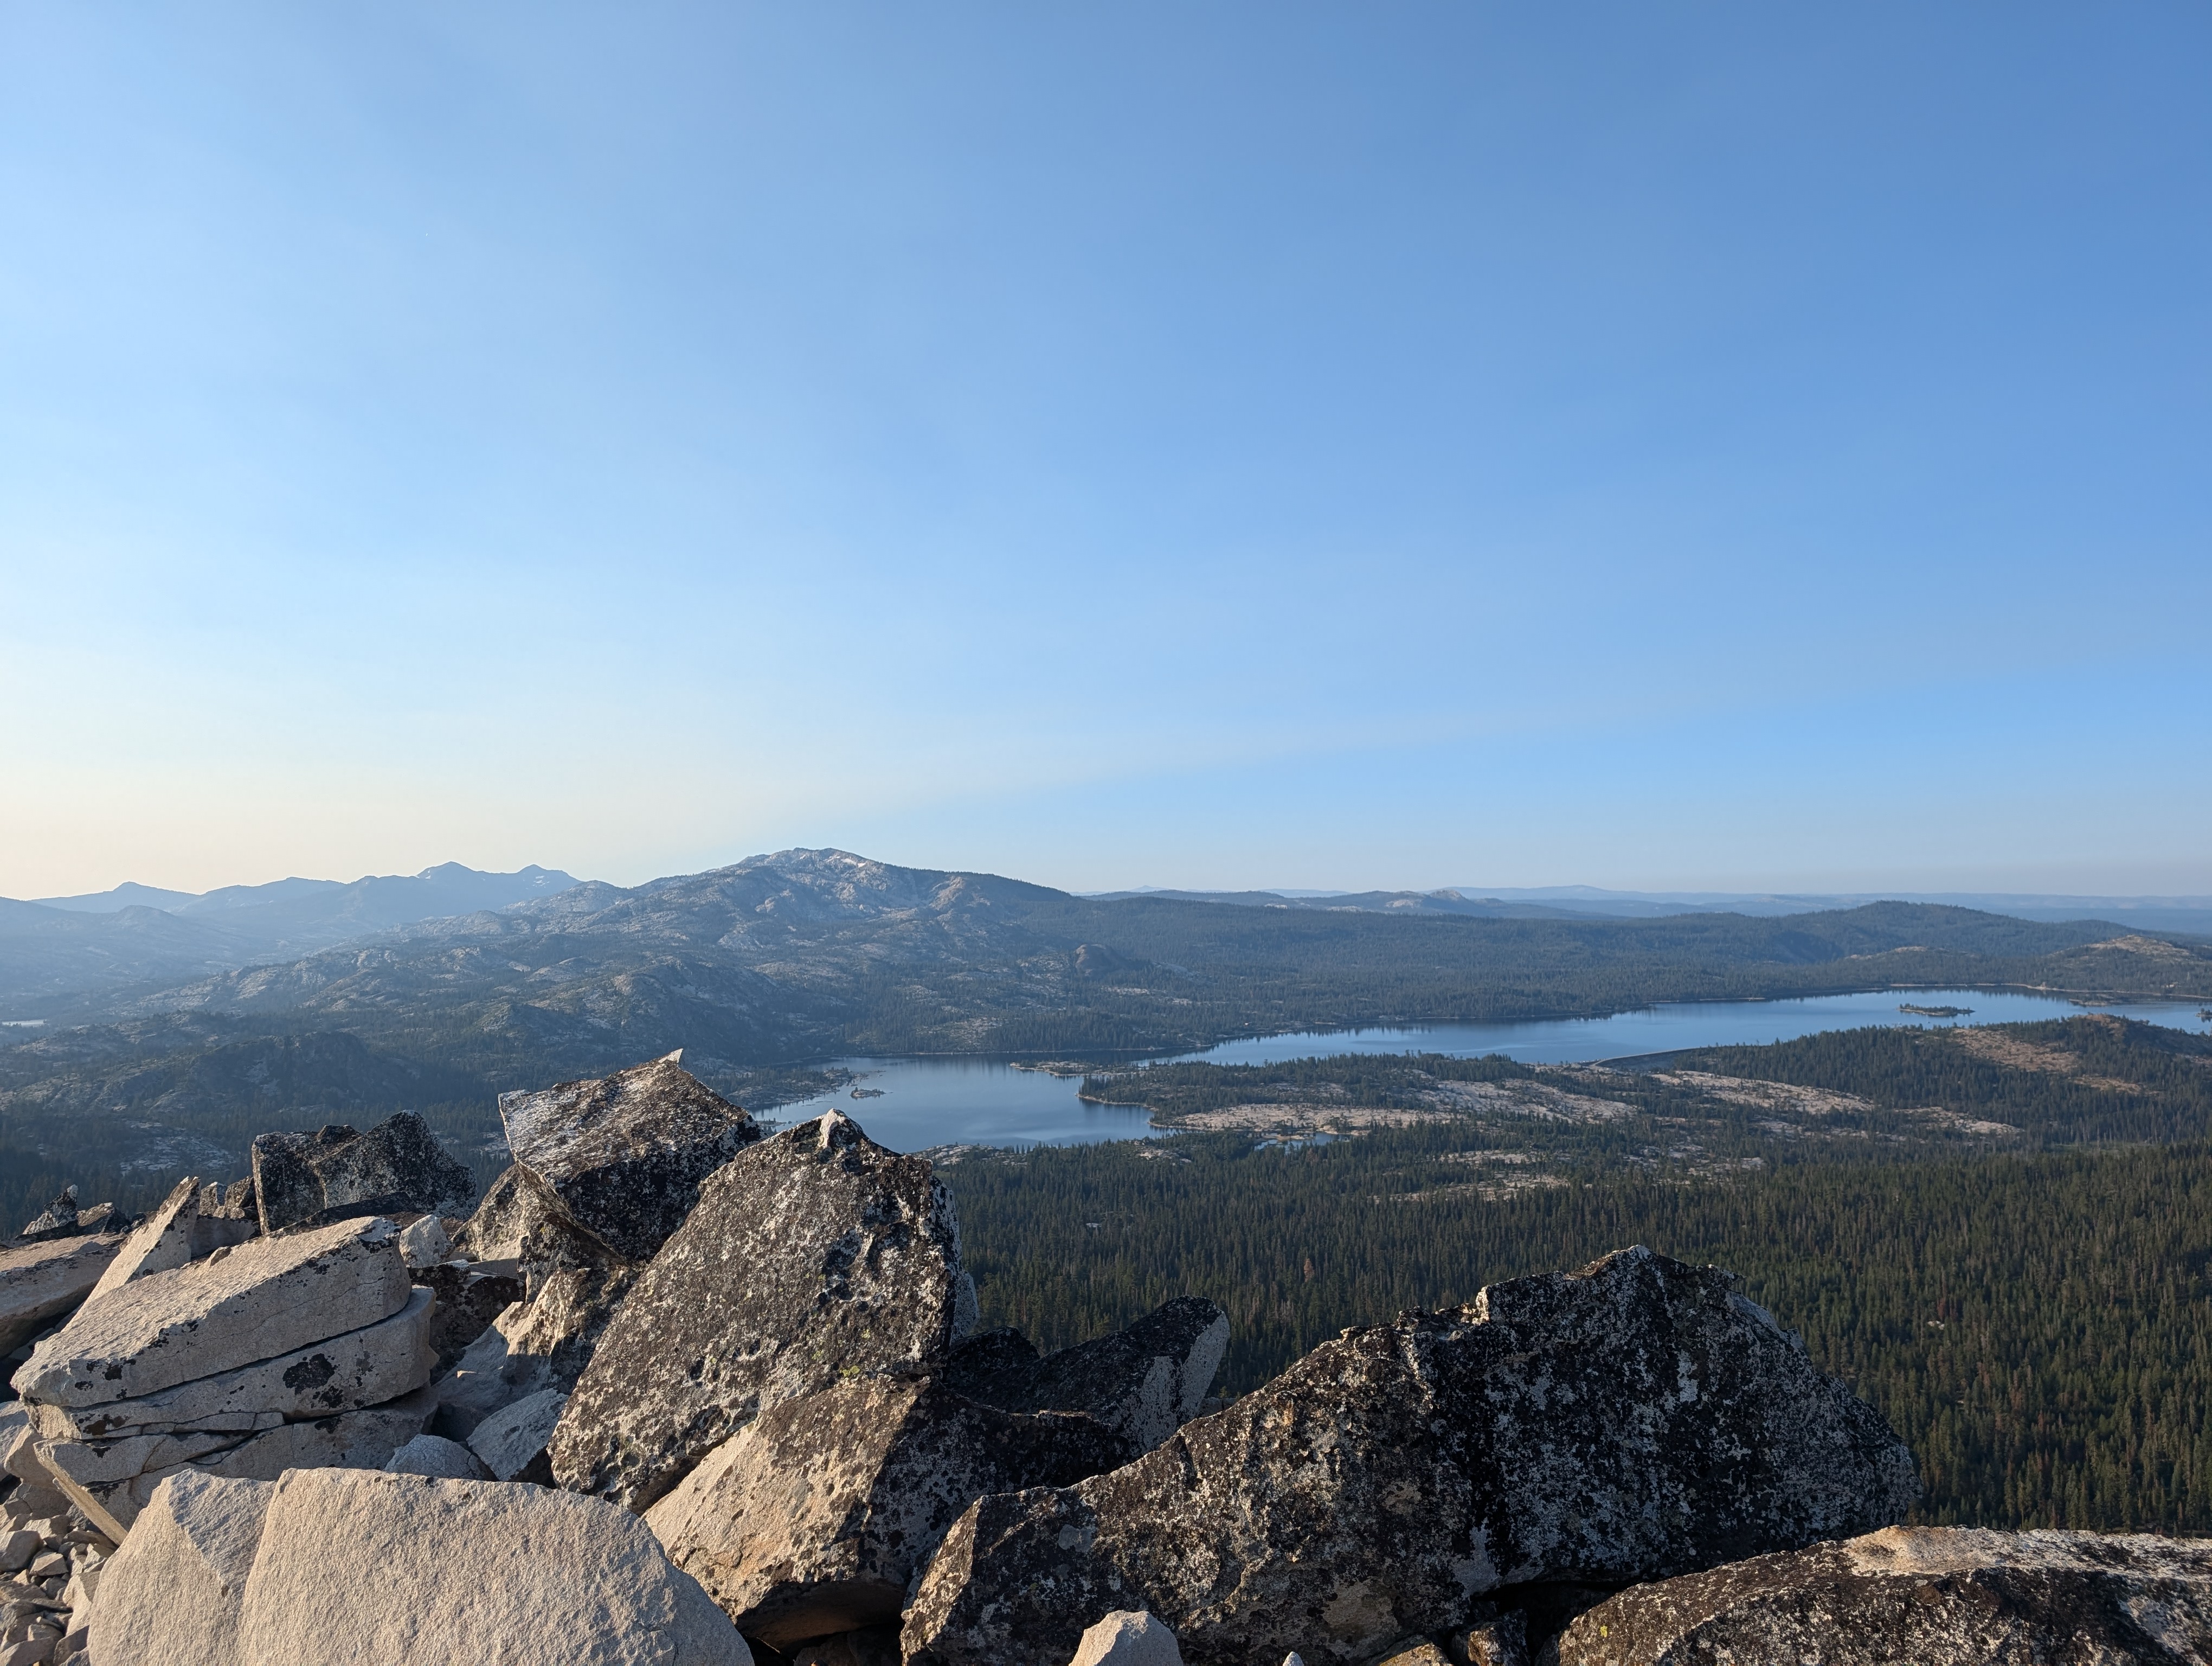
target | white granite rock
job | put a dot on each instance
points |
(358, 1568)
(171, 1596)
(158, 1242)
(425, 1242)
(40, 1282)
(100, 1464)
(434, 1456)
(513, 1437)
(363, 1367)
(182, 1231)
(362, 1439)
(813, 1519)
(1128, 1638)
(240, 1306)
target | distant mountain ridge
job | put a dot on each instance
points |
(2173, 914)
(807, 953)
(781, 962)
(378, 901)
(62, 946)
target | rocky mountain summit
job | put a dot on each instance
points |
(681, 1391)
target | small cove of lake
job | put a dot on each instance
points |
(912, 1103)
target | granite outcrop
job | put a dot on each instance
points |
(1630, 1422)
(810, 1257)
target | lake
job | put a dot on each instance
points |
(925, 1102)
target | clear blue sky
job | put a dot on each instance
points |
(1690, 445)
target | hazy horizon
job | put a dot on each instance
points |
(1530, 891)
(1248, 447)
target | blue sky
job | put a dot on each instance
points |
(1694, 446)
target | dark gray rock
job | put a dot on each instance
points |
(59, 1219)
(334, 1173)
(469, 1299)
(871, 1645)
(286, 1191)
(625, 1153)
(1629, 1421)
(811, 1257)
(1934, 1597)
(815, 1518)
(1147, 1381)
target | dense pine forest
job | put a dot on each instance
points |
(2031, 1310)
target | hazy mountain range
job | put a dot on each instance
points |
(2172, 914)
(759, 943)
(161, 1040)
(65, 948)
(804, 953)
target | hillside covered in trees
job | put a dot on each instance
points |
(2038, 1326)
(2031, 1308)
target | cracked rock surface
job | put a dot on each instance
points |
(811, 1257)
(624, 1155)
(814, 1518)
(1628, 1422)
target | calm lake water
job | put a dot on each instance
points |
(947, 1101)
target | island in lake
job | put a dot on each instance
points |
(1936, 1011)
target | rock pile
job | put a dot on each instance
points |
(62, 1219)
(51, 1564)
(1624, 1423)
(709, 1385)
(815, 1518)
(273, 1354)
(604, 1171)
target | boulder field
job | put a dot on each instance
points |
(682, 1390)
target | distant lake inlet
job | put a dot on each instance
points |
(912, 1103)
